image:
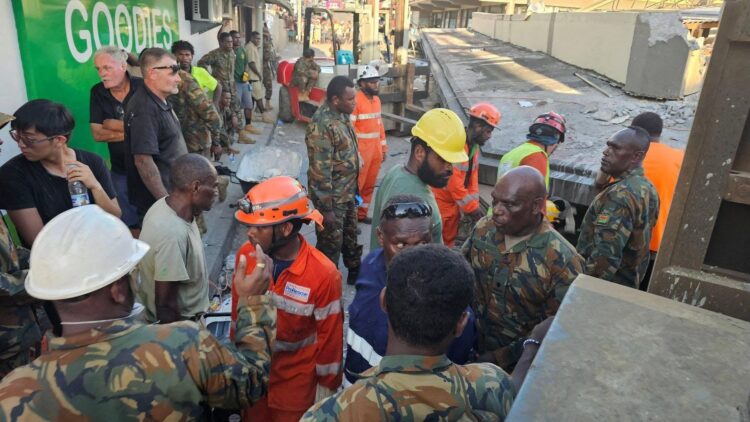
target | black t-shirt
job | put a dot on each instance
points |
(27, 184)
(104, 106)
(151, 128)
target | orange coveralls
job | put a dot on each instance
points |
(309, 334)
(460, 195)
(371, 140)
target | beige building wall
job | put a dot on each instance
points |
(596, 41)
(532, 33)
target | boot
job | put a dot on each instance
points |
(352, 277)
(266, 118)
(245, 137)
(252, 129)
(268, 105)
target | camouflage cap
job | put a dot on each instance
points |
(5, 118)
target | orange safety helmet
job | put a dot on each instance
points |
(486, 112)
(274, 201)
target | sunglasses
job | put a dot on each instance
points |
(407, 210)
(173, 67)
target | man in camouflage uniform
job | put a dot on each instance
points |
(269, 58)
(222, 61)
(523, 267)
(332, 174)
(616, 230)
(427, 292)
(199, 119)
(305, 74)
(19, 332)
(107, 364)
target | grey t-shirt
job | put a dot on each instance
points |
(176, 255)
(151, 128)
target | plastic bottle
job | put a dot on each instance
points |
(79, 195)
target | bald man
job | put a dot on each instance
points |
(523, 267)
(616, 230)
(174, 278)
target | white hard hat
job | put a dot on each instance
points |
(80, 251)
(367, 72)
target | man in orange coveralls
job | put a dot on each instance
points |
(306, 362)
(370, 135)
(462, 192)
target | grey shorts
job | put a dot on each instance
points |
(244, 94)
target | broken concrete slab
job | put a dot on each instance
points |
(604, 115)
(615, 353)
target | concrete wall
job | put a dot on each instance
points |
(532, 33)
(596, 41)
(646, 52)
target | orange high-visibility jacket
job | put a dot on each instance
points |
(367, 120)
(309, 328)
(465, 196)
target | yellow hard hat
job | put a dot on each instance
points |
(553, 212)
(444, 132)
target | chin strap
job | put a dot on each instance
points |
(137, 309)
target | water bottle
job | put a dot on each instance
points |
(79, 195)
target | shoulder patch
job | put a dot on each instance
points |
(602, 219)
(297, 292)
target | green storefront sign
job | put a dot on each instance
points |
(58, 39)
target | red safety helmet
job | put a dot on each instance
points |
(553, 120)
(275, 201)
(486, 112)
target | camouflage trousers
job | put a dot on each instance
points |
(342, 238)
(268, 80)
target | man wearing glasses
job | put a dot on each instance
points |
(404, 223)
(34, 184)
(153, 135)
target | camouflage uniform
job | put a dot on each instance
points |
(126, 370)
(226, 135)
(421, 388)
(517, 288)
(198, 117)
(332, 178)
(269, 54)
(222, 68)
(301, 74)
(19, 332)
(616, 230)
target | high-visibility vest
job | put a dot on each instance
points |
(514, 157)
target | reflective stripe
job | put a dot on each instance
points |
(467, 199)
(361, 346)
(364, 205)
(330, 309)
(382, 142)
(287, 346)
(368, 135)
(365, 116)
(292, 307)
(328, 369)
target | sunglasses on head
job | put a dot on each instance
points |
(173, 67)
(407, 210)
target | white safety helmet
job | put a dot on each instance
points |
(81, 251)
(367, 72)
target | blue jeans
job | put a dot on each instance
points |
(129, 212)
